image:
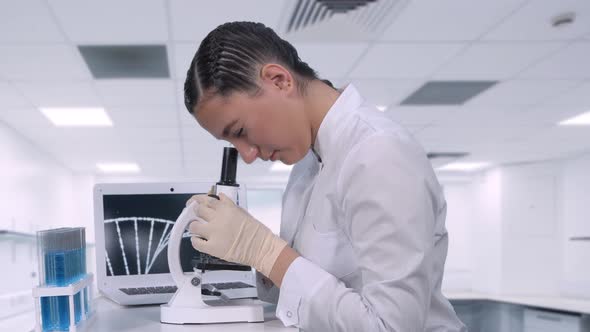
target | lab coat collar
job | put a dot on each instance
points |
(330, 131)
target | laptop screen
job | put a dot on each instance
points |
(136, 232)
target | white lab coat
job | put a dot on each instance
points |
(369, 223)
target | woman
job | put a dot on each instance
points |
(363, 241)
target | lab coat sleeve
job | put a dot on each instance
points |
(388, 211)
(267, 291)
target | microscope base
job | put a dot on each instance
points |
(211, 314)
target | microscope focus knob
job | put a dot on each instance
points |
(195, 281)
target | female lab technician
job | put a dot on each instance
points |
(363, 240)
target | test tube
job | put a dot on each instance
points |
(62, 261)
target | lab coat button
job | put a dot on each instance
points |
(289, 314)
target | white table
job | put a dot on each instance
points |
(573, 305)
(109, 317)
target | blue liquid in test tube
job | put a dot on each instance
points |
(62, 256)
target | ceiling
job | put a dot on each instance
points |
(543, 75)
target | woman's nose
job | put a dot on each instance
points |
(247, 152)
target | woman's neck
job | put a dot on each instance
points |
(319, 98)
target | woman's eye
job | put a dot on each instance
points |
(239, 132)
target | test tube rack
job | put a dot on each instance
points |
(70, 291)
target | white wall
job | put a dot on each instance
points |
(531, 229)
(515, 223)
(460, 215)
(37, 192)
(474, 226)
(575, 214)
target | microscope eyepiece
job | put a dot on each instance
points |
(229, 166)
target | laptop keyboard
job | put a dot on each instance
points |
(172, 289)
(148, 290)
(231, 285)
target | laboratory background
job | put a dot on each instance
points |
(497, 92)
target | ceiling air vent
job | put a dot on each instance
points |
(447, 92)
(126, 61)
(314, 11)
(340, 19)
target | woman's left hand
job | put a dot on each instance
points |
(232, 234)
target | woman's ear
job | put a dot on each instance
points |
(278, 76)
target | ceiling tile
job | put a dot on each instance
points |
(143, 154)
(193, 20)
(471, 136)
(27, 21)
(183, 55)
(50, 134)
(112, 22)
(533, 21)
(161, 134)
(187, 120)
(24, 120)
(566, 64)
(143, 117)
(137, 92)
(10, 97)
(521, 92)
(494, 61)
(330, 60)
(95, 152)
(553, 114)
(58, 94)
(494, 116)
(420, 115)
(404, 60)
(507, 155)
(34, 63)
(154, 150)
(442, 20)
(386, 92)
(100, 137)
(558, 142)
(87, 164)
(578, 96)
(569, 136)
(179, 90)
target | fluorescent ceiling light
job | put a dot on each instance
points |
(382, 108)
(579, 120)
(74, 116)
(118, 167)
(280, 167)
(466, 167)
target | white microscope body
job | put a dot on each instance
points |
(187, 305)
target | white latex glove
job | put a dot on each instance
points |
(232, 234)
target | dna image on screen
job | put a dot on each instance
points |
(136, 232)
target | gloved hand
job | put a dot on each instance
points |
(232, 234)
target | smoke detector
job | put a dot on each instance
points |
(563, 19)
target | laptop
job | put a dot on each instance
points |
(132, 227)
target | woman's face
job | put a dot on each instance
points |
(271, 125)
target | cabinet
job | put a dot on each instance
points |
(547, 321)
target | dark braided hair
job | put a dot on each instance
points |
(230, 57)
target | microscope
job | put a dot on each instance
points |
(187, 306)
